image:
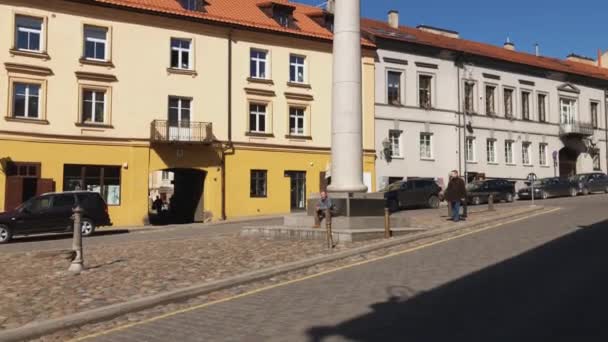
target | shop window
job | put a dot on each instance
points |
(104, 180)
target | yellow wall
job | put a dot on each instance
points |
(133, 208)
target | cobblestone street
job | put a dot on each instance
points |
(524, 279)
(40, 288)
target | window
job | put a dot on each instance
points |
(490, 100)
(258, 183)
(257, 118)
(296, 120)
(525, 153)
(567, 111)
(165, 175)
(470, 150)
(28, 33)
(394, 136)
(509, 152)
(64, 201)
(181, 53)
(104, 180)
(258, 63)
(469, 97)
(296, 69)
(426, 146)
(29, 170)
(424, 90)
(508, 98)
(542, 107)
(192, 5)
(394, 88)
(39, 204)
(96, 43)
(26, 100)
(594, 114)
(542, 154)
(179, 111)
(93, 106)
(596, 160)
(525, 105)
(282, 19)
(491, 151)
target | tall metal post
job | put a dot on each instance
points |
(77, 264)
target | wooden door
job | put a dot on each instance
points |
(13, 193)
(44, 186)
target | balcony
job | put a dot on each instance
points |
(185, 132)
(576, 128)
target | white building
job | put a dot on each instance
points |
(525, 113)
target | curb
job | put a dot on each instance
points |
(38, 329)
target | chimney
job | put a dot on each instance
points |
(509, 45)
(393, 19)
(537, 49)
(331, 6)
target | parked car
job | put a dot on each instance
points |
(52, 213)
(549, 187)
(412, 193)
(591, 182)
(479, 192)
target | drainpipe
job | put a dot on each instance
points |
(606, 127)
(460, 154)
(228, 145)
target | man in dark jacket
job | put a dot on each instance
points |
(455, 194)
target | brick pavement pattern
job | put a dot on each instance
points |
(541, 279)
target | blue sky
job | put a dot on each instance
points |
(560, 27)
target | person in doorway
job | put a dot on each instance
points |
(455, 194)
(157, 205)
(321, 208)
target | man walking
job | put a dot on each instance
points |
(455, 194)
(321, 208)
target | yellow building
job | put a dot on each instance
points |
(234, 100)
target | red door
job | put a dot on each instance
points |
(45, 185)
(13, 193)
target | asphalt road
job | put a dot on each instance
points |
(542, 279)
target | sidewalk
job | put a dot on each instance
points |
(41, 289)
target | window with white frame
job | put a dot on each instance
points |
(594, 114)
(95, 43)
(296, 120)
(567, 111)
(425, 84)
(394, 137)
(297, 69)
(179, 111)
(525, 153)
(26, 100)
(508, 99)
(181, 53)
(258, 64)
(426, 146)
(257, 118)
(525, 105)
(93, 106)
(491, 156)
(393, 87)
(597, 166)
(509, 159)
(490, 100)
(470, 150)
(542, 154)
(542, 107)
(29, 34)
(469, 97)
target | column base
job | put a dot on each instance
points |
(352, 204)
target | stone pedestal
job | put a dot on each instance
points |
(352, 204)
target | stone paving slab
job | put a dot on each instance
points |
(40, 288)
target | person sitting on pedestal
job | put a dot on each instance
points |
(321, 209)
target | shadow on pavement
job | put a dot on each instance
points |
(63, 236)
(556, 292)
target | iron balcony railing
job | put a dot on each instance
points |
(164, 131)
(576, 128)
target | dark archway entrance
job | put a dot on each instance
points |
(567, 162)
(181, 192)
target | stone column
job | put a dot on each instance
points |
(346, 129)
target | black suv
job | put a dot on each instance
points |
(52, 213)
(591, 182)
(412, 193)
(479, 192)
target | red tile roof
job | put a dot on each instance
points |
(244, 13)
(416, 36)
